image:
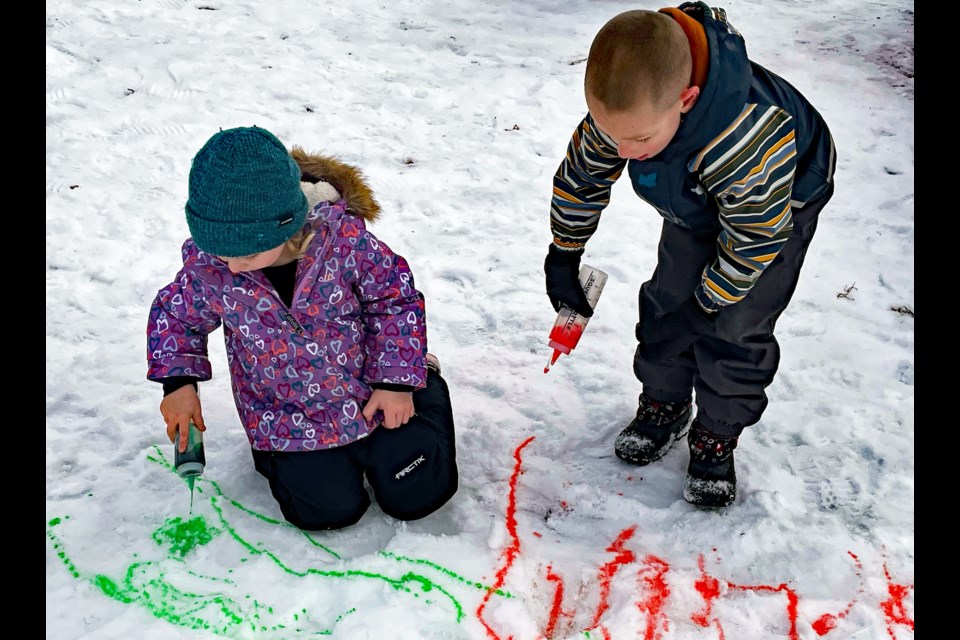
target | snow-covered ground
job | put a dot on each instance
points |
(459, 112)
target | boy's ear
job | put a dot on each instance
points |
(688, 98)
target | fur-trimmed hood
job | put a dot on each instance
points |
(326, 178)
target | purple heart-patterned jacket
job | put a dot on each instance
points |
(300, 375)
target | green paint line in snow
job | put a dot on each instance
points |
(150, 584)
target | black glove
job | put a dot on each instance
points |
(695, 316)
(563, 280)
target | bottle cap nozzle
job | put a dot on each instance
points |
(553, 360)
(187, 469)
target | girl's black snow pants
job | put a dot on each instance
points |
(412, 469)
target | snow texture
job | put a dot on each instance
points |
(459, 112)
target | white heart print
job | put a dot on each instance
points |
(350, 409)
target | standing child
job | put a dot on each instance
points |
(739, 164)
(325, 335)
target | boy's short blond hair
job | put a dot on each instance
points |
(638, 56)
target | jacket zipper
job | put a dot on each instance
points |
(287, 313)
(293, 322)
(284, 309)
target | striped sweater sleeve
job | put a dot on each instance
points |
(749, 169)
(582, 184)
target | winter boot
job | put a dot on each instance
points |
(433, 362)
(650, 435)
(711, 478)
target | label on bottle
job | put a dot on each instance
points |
(569, 324)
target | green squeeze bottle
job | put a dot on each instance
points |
(189, 464)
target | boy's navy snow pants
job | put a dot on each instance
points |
(412, 469)
(730, 366)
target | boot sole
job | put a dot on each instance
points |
(704, 491)
(709, 493)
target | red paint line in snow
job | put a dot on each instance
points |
(828, 621)
(792, 601)
(894, 608)
(557, 601)
(652, 580)
(709, 588)
(652, 584)
(720, 634)
(607, 571)
(512, 551)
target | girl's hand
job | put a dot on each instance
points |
(178, 409)
(397, 407)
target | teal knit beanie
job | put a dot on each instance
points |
(245, 194)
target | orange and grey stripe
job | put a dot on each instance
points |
(582, 184)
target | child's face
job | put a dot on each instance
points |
(255, 261)
(642, 132)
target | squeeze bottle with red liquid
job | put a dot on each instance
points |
(569, 324)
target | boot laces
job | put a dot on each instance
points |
(656, 412)
(711, 448)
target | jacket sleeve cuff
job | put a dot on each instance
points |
(705, 302)
(388, 386)
(175, 382)
(566, 248)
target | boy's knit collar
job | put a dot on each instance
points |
(698, 44)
